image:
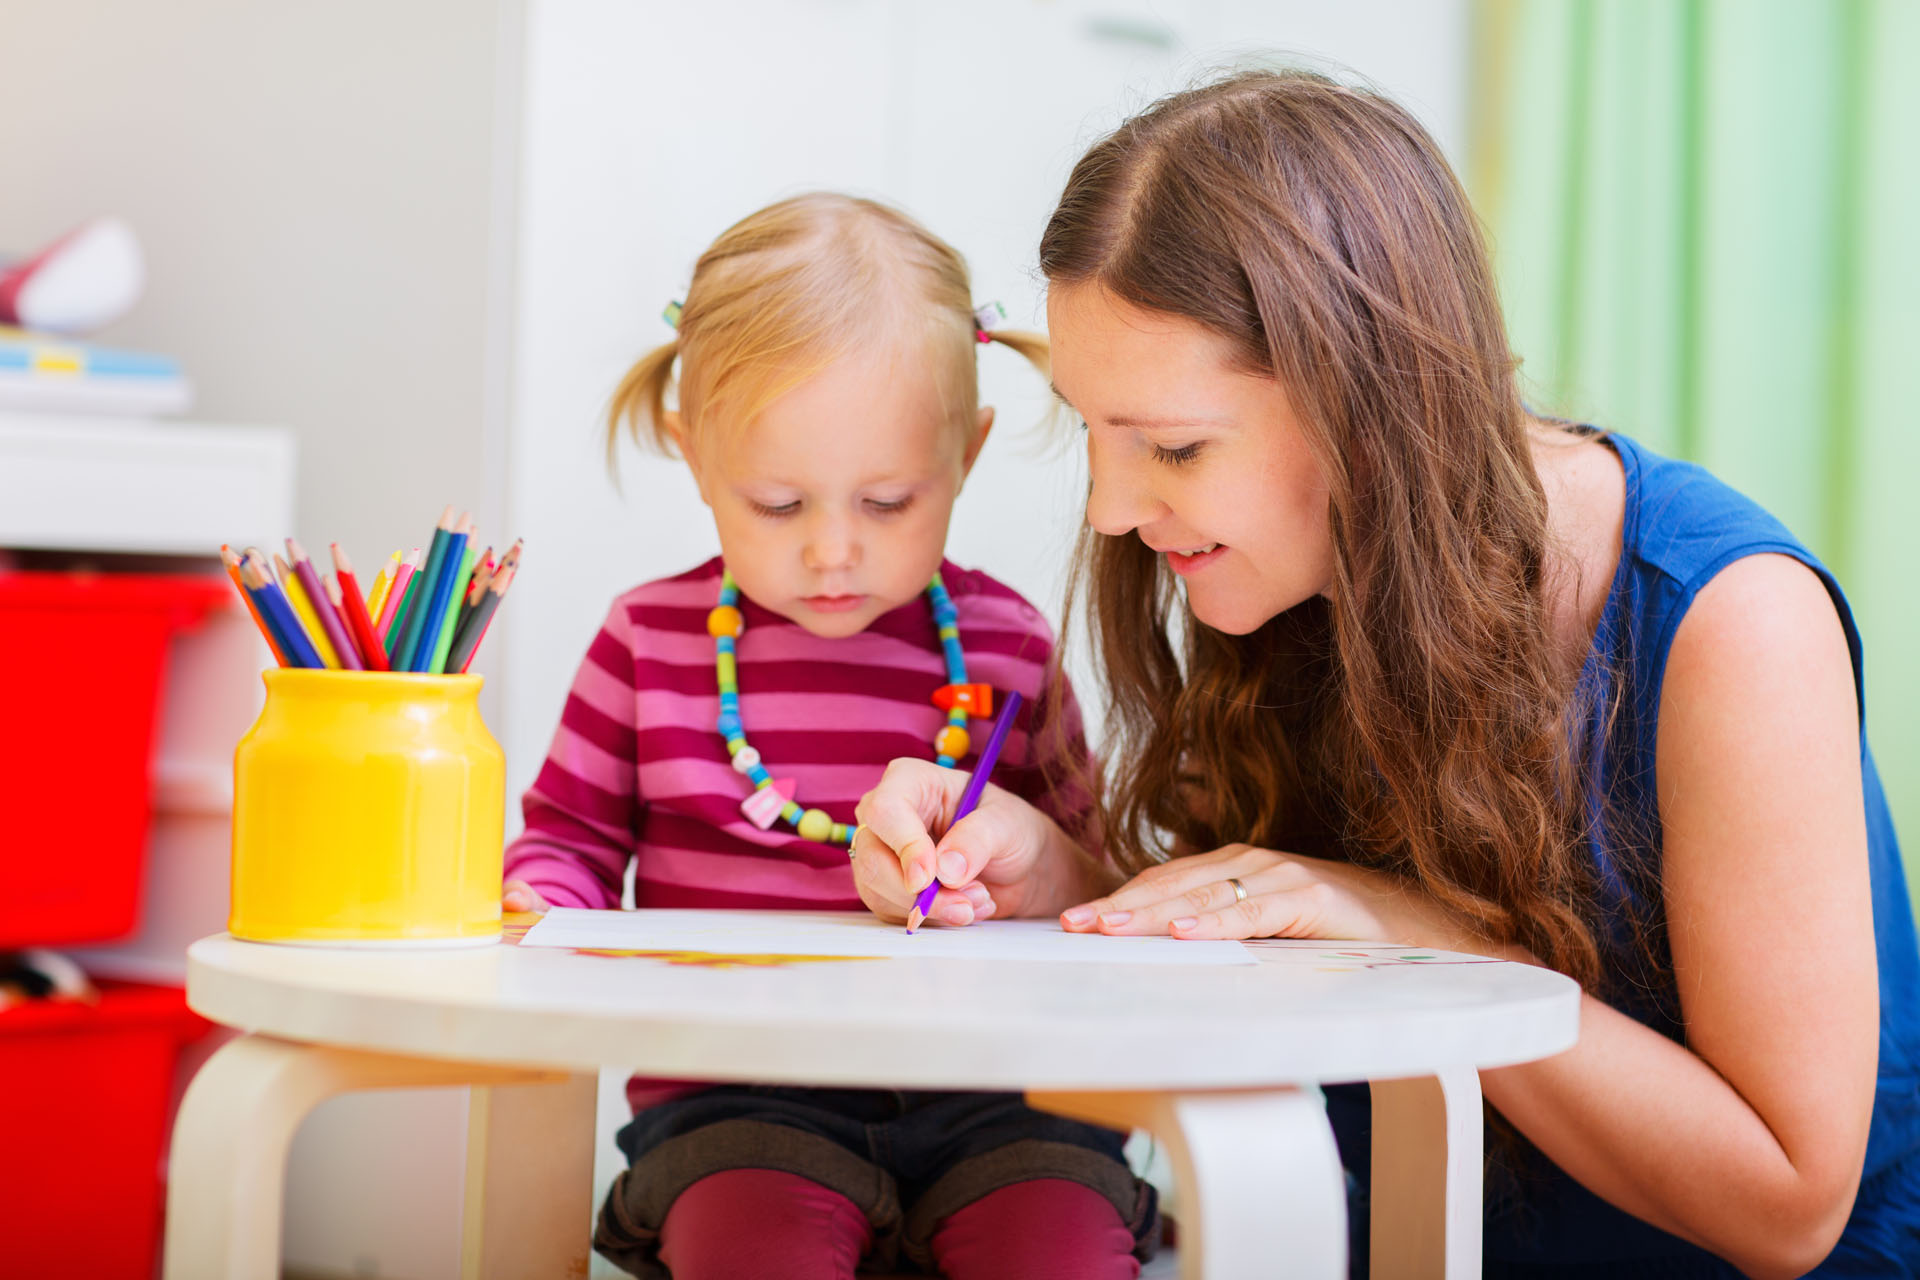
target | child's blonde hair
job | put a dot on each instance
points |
(785, 292)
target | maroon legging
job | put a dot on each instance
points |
(750, 1223)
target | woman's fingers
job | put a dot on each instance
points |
(1294, 913)
(1173, 879)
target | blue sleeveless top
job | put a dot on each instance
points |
(1681, 527)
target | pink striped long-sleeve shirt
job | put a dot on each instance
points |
(638, 770)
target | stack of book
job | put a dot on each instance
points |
(39, 371)
(79, 284)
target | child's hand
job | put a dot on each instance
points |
(518, 895)
(988, 862)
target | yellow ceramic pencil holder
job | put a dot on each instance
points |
(368, 811)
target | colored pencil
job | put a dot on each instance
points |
(231, 559)
(468, 642)
(398, 627)
(443, 641)
(970, 798)
(381, 581)
(330, 620)
(396, 589)
(275, 607)
(474, 630)
(355, 610)
(415, 607)
(433, 607)
(249, 563)
(296, 594)
(476, 587)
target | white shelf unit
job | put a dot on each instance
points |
(115, 486)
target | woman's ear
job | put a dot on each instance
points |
(982, 425)
(677, 428)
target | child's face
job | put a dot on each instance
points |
(832, 505)
(1192, 454)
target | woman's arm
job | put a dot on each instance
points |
(1750, 1139)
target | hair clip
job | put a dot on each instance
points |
(986, 318)
(672, 316)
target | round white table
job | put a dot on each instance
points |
(1208, 1059)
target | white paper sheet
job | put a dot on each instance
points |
(760, 933)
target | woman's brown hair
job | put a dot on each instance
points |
(1417, 718)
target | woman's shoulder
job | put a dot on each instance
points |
(1687, 523)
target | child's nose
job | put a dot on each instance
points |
(830, 545)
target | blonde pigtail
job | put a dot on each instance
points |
(1035, 347)
(639, 405)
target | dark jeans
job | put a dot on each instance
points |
(907, 1159)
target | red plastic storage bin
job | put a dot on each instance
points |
(84, 1094)
(81, 661)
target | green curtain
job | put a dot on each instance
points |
(1706, 219)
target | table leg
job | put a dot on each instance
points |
(530, 1162)
(1260, 1184)
(227, 1173)
(1426, 1199)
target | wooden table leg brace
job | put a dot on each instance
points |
(1258, 1177)
(1427, 1180)
(227, 1172)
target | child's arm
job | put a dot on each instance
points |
(583, 812)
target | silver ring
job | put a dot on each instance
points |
(1239, 890)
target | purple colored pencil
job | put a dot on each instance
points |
(970, 798)
(330, 620)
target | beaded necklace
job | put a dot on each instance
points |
(773, 798)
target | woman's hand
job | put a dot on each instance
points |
(1286, 897)
(1002, 859)
(518, 895)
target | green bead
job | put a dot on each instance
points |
(949, 633)
(791, 812)
(729, 673)
(839, 833)
(814, 824)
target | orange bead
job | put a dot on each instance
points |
(725, 620)
(952, 741)
(974, 699)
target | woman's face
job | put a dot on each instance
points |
(1206, 463)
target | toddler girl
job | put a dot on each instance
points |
(726, 721)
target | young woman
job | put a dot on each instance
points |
(1390, 657)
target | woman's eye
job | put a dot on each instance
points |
(1175, 457)
(774, 513)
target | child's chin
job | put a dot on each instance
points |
(835, 626)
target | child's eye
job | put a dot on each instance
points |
(774, 513)
(1175, 457)
(889, 508)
